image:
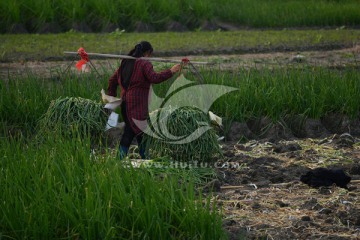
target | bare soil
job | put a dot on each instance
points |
(339, 58)
(261, 196)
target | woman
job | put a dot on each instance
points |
(135, 78)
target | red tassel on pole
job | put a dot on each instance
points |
(84, 59)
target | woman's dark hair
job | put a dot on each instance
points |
(140, 49)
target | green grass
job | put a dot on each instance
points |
(312, 91)
(24, 101)
(192, 13)
(52, 46)
(59, 190)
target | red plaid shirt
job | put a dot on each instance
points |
(137, 95)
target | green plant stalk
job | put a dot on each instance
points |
(57, 190)
(310, 91)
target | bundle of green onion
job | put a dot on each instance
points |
(74, 115)
(197, 140)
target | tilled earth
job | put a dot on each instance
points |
(261, 196)
(332, 58)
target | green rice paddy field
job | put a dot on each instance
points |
(104, 15)
(59, 187)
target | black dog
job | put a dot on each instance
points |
(319, 177)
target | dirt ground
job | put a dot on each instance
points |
(262, 197)
(331, 58)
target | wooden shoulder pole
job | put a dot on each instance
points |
(129, 57)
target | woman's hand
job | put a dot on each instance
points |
(175, 68)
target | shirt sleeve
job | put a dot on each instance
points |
(154, 77)
(113, 84)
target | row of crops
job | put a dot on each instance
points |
(57, 189)
(310, 91)
(100, 15)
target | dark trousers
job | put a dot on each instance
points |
(129, 134)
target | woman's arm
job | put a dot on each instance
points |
(154, 77)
